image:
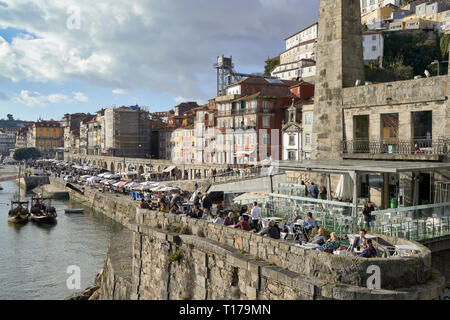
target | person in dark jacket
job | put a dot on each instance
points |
(272, 230)
(314, 191)
(207, 203)
(196, 212)
(197, 198)
(176, 199)
(367, 213)
(244, 210)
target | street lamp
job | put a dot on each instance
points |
(438, 62)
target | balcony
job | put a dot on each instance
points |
(413, 149)
(244, 111)
(209, 123)
(224, 113)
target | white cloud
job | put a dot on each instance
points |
(36, 99)
(162, 46)
(119, 91)
(81, 97)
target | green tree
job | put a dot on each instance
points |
(444, 42)
(26, 154)
(270, 66)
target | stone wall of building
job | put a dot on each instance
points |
(423, 90)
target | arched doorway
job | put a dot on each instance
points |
(141, 170)
(112, 167)
(119, 167)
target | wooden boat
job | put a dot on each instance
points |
(19, 212)
(42, 211)
(73, 210)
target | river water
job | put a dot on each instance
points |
(34, 259)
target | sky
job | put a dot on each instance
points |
(61, 56)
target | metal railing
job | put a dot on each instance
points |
(438, 146)
(414, 223)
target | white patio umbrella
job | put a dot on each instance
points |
(132, 185)
(249, 197)
(344, 189)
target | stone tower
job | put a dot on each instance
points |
(339, 64)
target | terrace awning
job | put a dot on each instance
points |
(361, 166)
(169, 169)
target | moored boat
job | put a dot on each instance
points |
(19, 212)
(73, 210)
(42, 211)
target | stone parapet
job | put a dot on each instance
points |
(227, 263)
(399, 92)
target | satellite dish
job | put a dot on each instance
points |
(427, 73)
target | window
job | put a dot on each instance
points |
(307, 139)
(374, 38)
(374, 48)
(307, 118)
(292, 140)
(291, 155)
(266, 122)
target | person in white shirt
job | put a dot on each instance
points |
(256, 216)
(219, 219)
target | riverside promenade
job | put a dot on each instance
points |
(176, 257)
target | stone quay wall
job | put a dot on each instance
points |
(174, 257)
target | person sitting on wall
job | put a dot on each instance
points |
(308, 224)
(369, 252)
(219, 218)
(331, 244)
(272, 230)
(174, 209)
(243, 223)
(319, 238)
(205, 214)
(229, 220)
(360, 242)
(143, 204)
(196, 212)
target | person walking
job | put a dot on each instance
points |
(206, 202)
(256, 216)
(367, 213)
(314, 191)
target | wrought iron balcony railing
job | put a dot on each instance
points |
(436, 146)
